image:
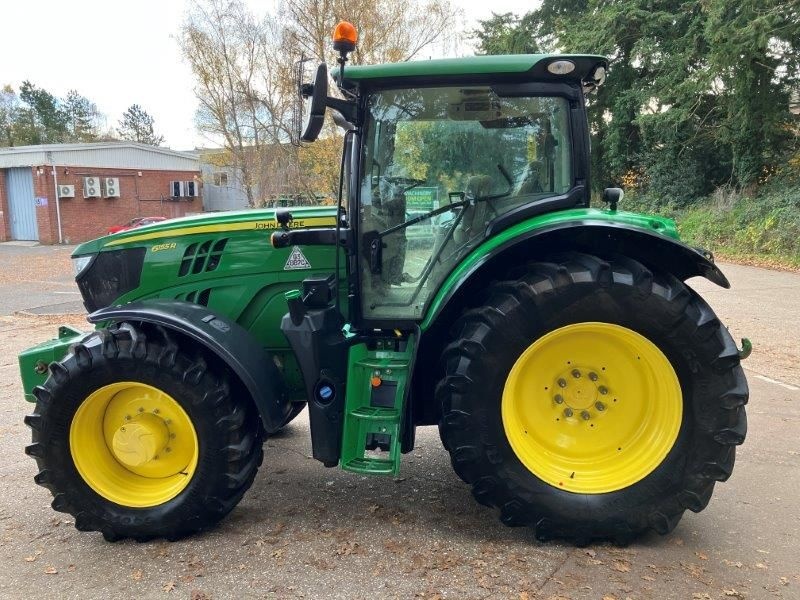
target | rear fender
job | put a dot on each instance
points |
(603, 237)
(225, 339)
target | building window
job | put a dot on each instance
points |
(220, 178)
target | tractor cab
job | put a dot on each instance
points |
(438, 157)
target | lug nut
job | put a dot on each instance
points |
(559, 399)
(585, 415)
(593, 376)
(562, 382)
(172, 436)
(600, 406)
(575, 373)
(603, 390)
(155, 411)
(167, 449)
(141, 409)
(567, 412)
(127, 417)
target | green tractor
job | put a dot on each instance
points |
(579, 385)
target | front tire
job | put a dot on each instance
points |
(137, 437)
(529, 448)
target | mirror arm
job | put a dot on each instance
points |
(347, 108)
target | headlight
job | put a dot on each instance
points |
(79, 263)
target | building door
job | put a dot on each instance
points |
(21, 204)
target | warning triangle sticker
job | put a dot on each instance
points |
(296, 260)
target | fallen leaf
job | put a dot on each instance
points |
(621, 566)
(761, 566)
(277, 553)
(701, 556)
(30, 558)
(733, 594)
(607, 597)
(524, 596)
(136, 575)
(169, 586)
(784, 581)
(648, 578)
(50, 570)
(591, 553)
(199, 595)
(701, 596)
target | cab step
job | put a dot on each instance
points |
(377, 378)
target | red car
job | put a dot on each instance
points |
(134, 223)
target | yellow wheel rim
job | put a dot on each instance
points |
(133, 444)
(592, 408)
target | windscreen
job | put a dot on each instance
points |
(438, 165)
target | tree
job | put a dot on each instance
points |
(9, 114)
(137, 125)
(389, 30)
(81, 118)
(508, 34)
(697, 94)
(41, 120)
(245, 73)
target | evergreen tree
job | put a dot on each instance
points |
(507, 34)
(41, 119)
(138, 126)
(82, 116)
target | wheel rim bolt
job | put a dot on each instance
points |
(593, 376)
(576, 374)
(559, 399)
(567, 412)
(167, 449)
(155, 411)
(585, 415)
(172, 436)
(600, 406)
(603, 390)
(127, 417)
(141, 409)
(562, 383)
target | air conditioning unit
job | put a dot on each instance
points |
(192, 188)
(176, 189)
(66, 191)
(91, 187)
(110, 187)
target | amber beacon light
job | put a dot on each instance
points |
(345, 37)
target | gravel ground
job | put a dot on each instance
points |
(304, 531)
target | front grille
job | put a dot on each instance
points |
(202, 257)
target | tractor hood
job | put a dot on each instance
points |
(222, 222)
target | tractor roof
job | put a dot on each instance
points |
(518, 66)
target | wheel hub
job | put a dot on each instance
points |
(578, 389)
(140, 441)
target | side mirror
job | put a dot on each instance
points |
(612, 197)
(316, 98)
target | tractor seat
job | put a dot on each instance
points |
(474, 220)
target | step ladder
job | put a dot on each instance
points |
(377, 381)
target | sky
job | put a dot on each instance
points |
(121, 53)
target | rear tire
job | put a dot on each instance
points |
(227, 436)
(577, 288)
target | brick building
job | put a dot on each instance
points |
(99, 185)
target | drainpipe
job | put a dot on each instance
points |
(58, 202)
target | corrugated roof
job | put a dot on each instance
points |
(115, 155)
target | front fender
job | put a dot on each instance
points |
(224, 338)
(593, 233)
